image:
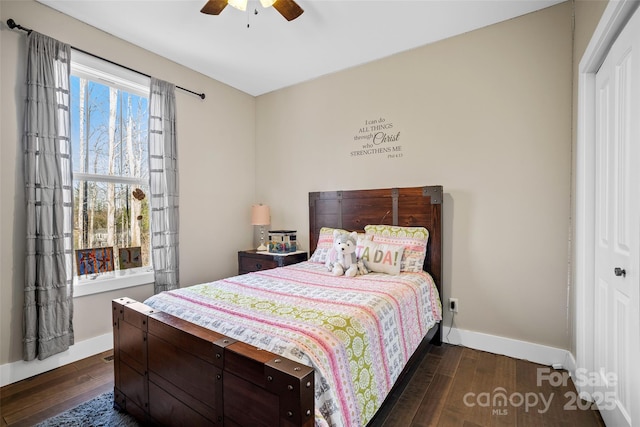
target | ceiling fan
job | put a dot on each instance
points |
(287, 8)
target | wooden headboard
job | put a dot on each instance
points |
(409, 207)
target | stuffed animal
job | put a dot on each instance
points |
(346, 261)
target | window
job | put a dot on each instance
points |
(109, 123)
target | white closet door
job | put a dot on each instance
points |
(617, 280)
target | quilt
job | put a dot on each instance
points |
(358, 333)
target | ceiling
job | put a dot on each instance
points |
(260, 53)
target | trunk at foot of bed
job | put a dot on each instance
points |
(171, 372)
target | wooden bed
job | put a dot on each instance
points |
(172, 372)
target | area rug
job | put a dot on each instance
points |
(98, 412)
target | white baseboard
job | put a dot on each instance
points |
(537, 353)
(571, 365)
(20, 370)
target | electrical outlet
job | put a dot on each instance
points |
(453, 305)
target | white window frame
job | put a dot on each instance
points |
(87, 66)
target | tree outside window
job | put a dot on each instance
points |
(110, 164)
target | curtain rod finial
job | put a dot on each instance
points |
(12, 25)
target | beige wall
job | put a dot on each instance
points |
(216, 160)
(487, 115)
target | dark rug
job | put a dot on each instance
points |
(98, 412)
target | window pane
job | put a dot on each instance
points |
(123, 223)
(109, 130)
(109, 141)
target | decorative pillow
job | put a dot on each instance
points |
(382, 257)
(325, 244)
(414, 240)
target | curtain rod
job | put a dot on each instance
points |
(12, 24)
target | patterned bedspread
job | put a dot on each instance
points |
(358, 333)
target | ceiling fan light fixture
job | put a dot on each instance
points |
(289, 9)
(238, 4)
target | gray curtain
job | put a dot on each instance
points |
(163, 176)
(48, 292)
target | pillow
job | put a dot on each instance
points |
(382, 257)
(324, 248)
(324, 245)
(414, 240)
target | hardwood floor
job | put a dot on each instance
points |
(450, 386)
(35, 399)
(455, 386)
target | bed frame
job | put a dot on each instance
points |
(171, 372)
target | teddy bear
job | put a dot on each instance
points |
(346, 261)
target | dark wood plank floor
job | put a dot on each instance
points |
(35, 399)
(456, 386)
(450, 386)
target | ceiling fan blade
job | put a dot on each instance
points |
(214, 7)
(288, 8)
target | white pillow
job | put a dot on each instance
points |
(382, 257)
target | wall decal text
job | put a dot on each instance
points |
(378, 137)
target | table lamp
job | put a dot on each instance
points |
(260, 216)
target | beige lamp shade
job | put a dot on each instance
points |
(260, 215)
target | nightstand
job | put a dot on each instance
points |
(252, 260)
